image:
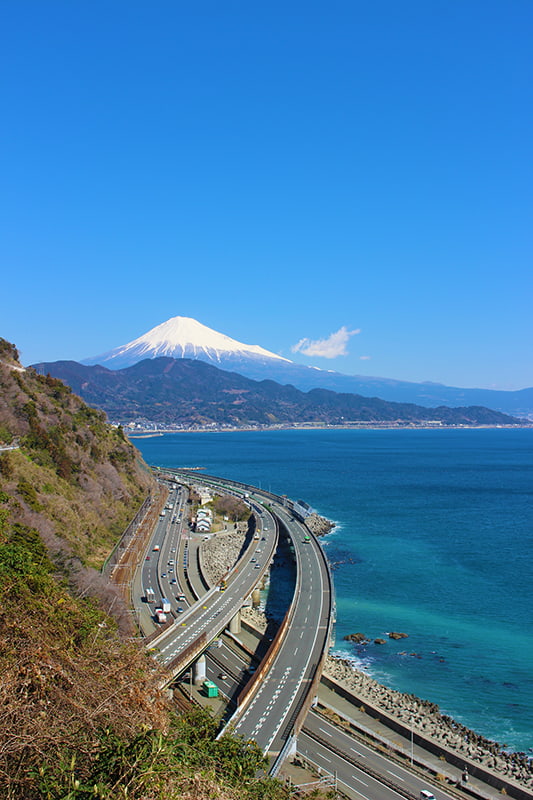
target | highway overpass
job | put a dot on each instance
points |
(273, 705)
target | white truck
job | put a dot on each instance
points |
(160, 615)
(149, 595)
(165, 605)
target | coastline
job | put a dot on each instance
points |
(421, 716)
(493, 714)
(357, 426)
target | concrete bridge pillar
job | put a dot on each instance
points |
(235, 623)
(199, 671)
(256, 598)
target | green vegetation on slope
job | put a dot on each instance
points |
(80, 714)
(81, 477)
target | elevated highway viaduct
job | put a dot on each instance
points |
(272, 707)
(189, 632)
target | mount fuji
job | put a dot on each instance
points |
(186, 338)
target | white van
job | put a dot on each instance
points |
(425, 795)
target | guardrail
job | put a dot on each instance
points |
(184, 659)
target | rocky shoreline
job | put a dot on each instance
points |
(319, 526)
(425, 717)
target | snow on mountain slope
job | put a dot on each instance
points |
(183, 337)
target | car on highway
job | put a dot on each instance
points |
(163, 574)
(222, 676)
(257, 566)
(148, 558)
(180, 610)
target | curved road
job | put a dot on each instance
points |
(270, 715)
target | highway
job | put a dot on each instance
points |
(270, 717)
(170, 539)
(193, 628)
(360, 770)
(280, 692)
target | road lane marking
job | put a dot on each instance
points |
(396, 776)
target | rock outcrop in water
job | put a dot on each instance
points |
(358, 638)
(318, 525)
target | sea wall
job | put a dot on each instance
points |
(436, 732)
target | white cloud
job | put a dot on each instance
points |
(333, 346)
(365, 358)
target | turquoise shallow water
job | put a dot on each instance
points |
(434, 538)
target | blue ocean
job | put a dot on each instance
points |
(433, 538)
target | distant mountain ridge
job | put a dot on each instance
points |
(188, 393)
(183, 337)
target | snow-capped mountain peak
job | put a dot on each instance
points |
(183, 337)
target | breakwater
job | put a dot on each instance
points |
(439, 732)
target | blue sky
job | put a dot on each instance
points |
(347, 184)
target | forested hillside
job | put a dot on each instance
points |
(188, 393)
